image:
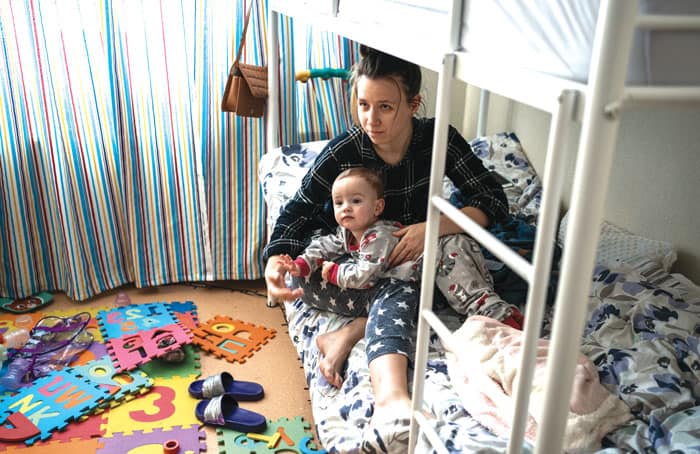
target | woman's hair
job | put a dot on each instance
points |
(375, 64)
(372, 177)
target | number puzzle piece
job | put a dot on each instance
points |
(132, 319)
(130, 351)
(233, 340)
(190, 439)
(51, 402)
(281, 436)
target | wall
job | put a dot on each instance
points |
(654, 190)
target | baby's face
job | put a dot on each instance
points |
(355, 203)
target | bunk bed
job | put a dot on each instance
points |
(624, 314)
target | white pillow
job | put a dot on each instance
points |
(617, 246)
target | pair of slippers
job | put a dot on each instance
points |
(219, 407)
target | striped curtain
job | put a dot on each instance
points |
(324, 103)
(318, 109)
(116, 163)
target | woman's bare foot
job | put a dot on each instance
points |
(335, 346)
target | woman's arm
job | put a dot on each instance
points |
(484, 199)
(477, 186)
(298, 216)
(413, 236)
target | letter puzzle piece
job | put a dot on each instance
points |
(134, 318)
(185, 312)
(281, 436)
(231, 339)
(190, 439)
(18, 427)
(51, 402)
(121, 385)
(131, 350)
(188, 367)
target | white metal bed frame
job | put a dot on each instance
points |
(597, 105)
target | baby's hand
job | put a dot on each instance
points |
(326, 269)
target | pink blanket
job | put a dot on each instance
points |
(483, 365)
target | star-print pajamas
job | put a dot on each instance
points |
(461, 276)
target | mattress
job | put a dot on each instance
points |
(555, 38)
(641, 334)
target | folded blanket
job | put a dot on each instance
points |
(484, 365)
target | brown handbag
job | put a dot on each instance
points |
(246, 88)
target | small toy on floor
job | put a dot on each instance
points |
(53, 344)
(28, 304)
(283, 435)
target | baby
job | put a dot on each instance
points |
(356, 255)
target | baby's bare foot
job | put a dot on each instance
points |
(335, 346)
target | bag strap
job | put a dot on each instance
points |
(245, 29)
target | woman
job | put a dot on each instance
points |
(388, 139)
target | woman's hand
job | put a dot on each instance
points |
(275, 270)
(410, 247)
(290, 265)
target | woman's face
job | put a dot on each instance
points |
(384, 110)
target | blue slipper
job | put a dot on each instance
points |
(223, 411)
(224, 383)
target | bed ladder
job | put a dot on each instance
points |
(613, 40)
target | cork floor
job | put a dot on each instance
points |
(275, 366)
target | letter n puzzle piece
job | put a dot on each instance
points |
(121, 385)
(231, 339)
(51, 402)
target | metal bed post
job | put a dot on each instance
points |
(273, 67)
(273, 105)
(484, 98)
(611, 51)
(563, 119)
(437, 171)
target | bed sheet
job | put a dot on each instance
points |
(642, 339)
(642, 335)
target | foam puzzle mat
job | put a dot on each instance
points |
(120, 397)
(282, 436)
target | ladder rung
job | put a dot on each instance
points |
(669, 22)
(511, 258)
(430, 433)
(440, 329)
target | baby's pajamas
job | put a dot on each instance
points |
(461, 273)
